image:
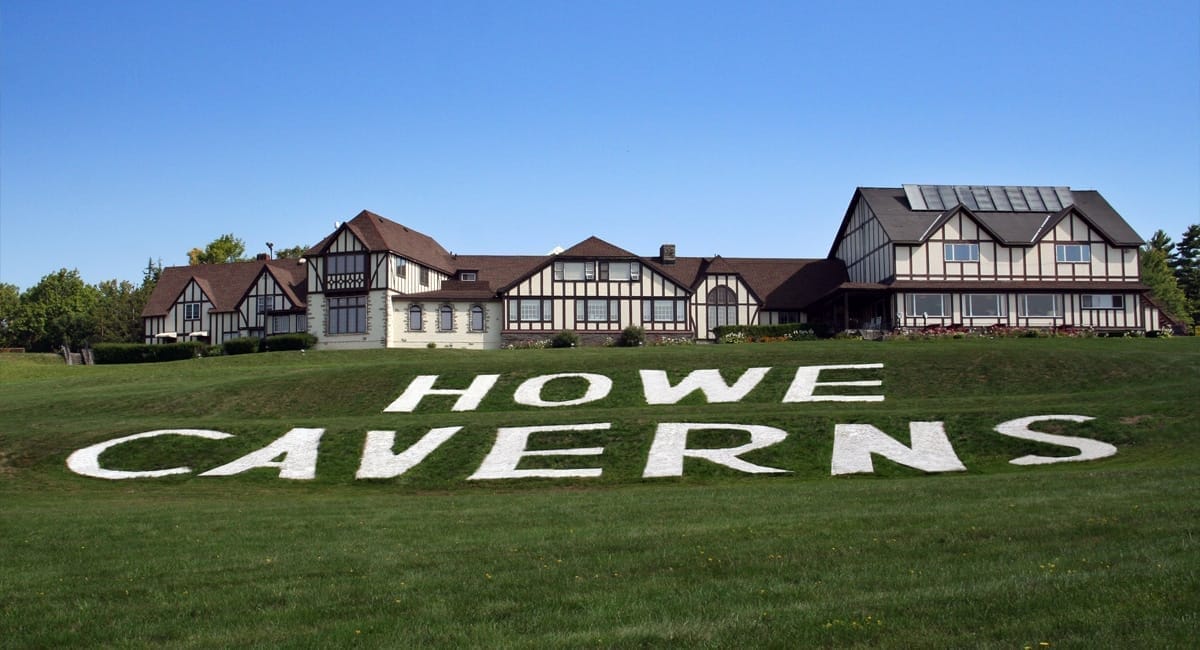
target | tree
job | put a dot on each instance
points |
(1187, 267)
(222, 250)
(1160, 241)
(1157, 275)
(58, 310)
(118, 314)
(293, 253)
(10, 304)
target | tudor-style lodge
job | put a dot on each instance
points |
(908, 257)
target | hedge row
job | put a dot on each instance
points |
(751, 333)
(147, 353)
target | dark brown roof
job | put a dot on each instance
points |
(502, 271)
(905, 225)
(595, 248)
(224, 284)
(378, 234)
(458, 290)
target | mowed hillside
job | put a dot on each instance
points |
(579, 538)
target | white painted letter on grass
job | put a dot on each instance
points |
(658, 388)
(378, 461)
(529, 392)
(806, 382)
(1088, 449)
(853, 445)
(86, 461)
(506, 454)
(468, 398)
(670, 447)
(298, 448)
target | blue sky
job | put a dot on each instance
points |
(133, 130)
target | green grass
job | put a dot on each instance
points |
(1095, 554)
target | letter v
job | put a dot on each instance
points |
(378, 461)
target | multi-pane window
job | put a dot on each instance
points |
(468, 276)
(281, 324)
(984, 304)
(477, 320)
(929, 304)
(344, 263)
(191, 311)
(424, 277)
(401, 268)
(1043, 305)
(301, 322)
(620, 271)
(722, 307)
(347, 315)
(1073, 253)
(416, 321)
(264, 304)
(1102, 301)
(597, 311)
(530, 310)
(445, 318)
(664, 310)
(961, 252)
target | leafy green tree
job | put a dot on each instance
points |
(293, 253)
(118, 314)
(1157, 275)
(58, 310)
(10, 304)
(222, 250)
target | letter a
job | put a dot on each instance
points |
(298, 448)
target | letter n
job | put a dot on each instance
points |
(854, 444)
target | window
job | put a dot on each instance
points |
(191, 311)
(424, 277)
(984, 304)
(401, 268)
(477, 319)
(1044, 305)
(929, 304)
(264, 304)
(1102, 301)
(344, 263)
(722, 307)
(347, 315)
(468, 276)
(445, 318)
(416, 320)
(962, 252)
(597, 311)
(530, 310)
(301, 322)
(664, 311)
(281, 324)
(620, 271)
(574, 271)
(1073, 253)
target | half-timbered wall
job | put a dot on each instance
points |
(865, 248)
(263, 298)
(1084, 309)
(176, 319)
(322, 278)
(1037, 262)
(736, 308)
(628, 298)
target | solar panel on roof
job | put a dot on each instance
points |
(983, 198)
(1050, 199)
(949, 198)
(1016, 198)
(989, 198)
(932, 199)
(1034, 199)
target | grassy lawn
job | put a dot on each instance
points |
(1093, 554)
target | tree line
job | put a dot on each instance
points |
(62, 309)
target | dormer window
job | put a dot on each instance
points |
(468, 276)
(959, 252)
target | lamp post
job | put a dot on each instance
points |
(270, 250)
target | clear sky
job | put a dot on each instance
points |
(135, 129)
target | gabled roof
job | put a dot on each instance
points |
(595, 248)
(906, 225)
(378, 234)
(225, 285)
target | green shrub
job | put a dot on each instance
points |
(296, 341)
(147, 352)
(764, 333)
(244, 345)
(565, 339)
(632, 337)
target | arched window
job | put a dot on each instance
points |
(415, 319)
(446, 318)
(722, 307)
(476, 318)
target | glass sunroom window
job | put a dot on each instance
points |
(1040, 305)
(984, 304)
(929, 304)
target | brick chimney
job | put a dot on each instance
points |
(666, 253)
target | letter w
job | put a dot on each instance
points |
(658, 388)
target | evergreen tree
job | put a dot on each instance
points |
(1187, 267)
(1158, 276)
